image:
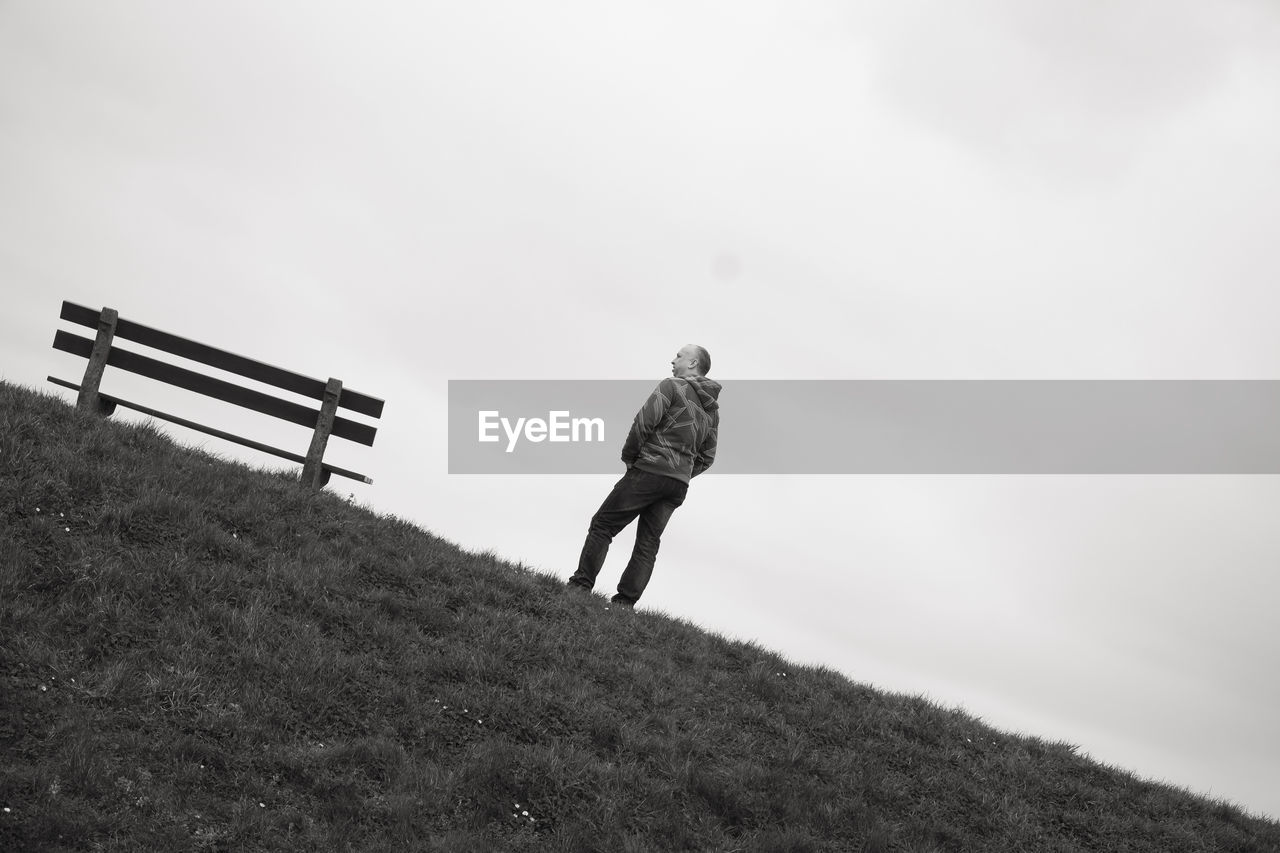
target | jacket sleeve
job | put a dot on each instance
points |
(707, 451)
(646, 421)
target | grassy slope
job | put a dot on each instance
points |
(198, 656)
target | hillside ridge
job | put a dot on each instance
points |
(199, 655)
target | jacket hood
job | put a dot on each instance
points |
(708, 391)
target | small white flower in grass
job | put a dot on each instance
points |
(6, 808)
(262, 805)
(44, 688)
(68, 529)
(525, 812)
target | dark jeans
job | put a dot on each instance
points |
(652, 497)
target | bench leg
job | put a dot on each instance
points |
(313, 475)
(87, 400)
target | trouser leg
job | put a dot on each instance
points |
(618, 510)
(653, 520)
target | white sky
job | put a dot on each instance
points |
(403, 194)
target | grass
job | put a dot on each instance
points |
(195, 655)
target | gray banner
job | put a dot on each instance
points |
(886, 426)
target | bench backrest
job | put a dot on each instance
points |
(102, 352)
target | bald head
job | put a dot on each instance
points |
(691, 360)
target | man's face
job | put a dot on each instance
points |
(684, 364)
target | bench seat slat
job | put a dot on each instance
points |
(217, 388)
(223, 360)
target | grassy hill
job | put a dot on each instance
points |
(195, 655)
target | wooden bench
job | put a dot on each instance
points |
(325, 422)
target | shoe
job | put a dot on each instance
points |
(622, 602)
(576, 588)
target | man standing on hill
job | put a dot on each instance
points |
(672, 440)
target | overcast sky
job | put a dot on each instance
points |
(404, 194)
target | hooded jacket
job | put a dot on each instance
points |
(676, 430)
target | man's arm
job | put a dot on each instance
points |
(707, 452)
(646, 421)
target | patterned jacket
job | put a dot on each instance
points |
(676, 430)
